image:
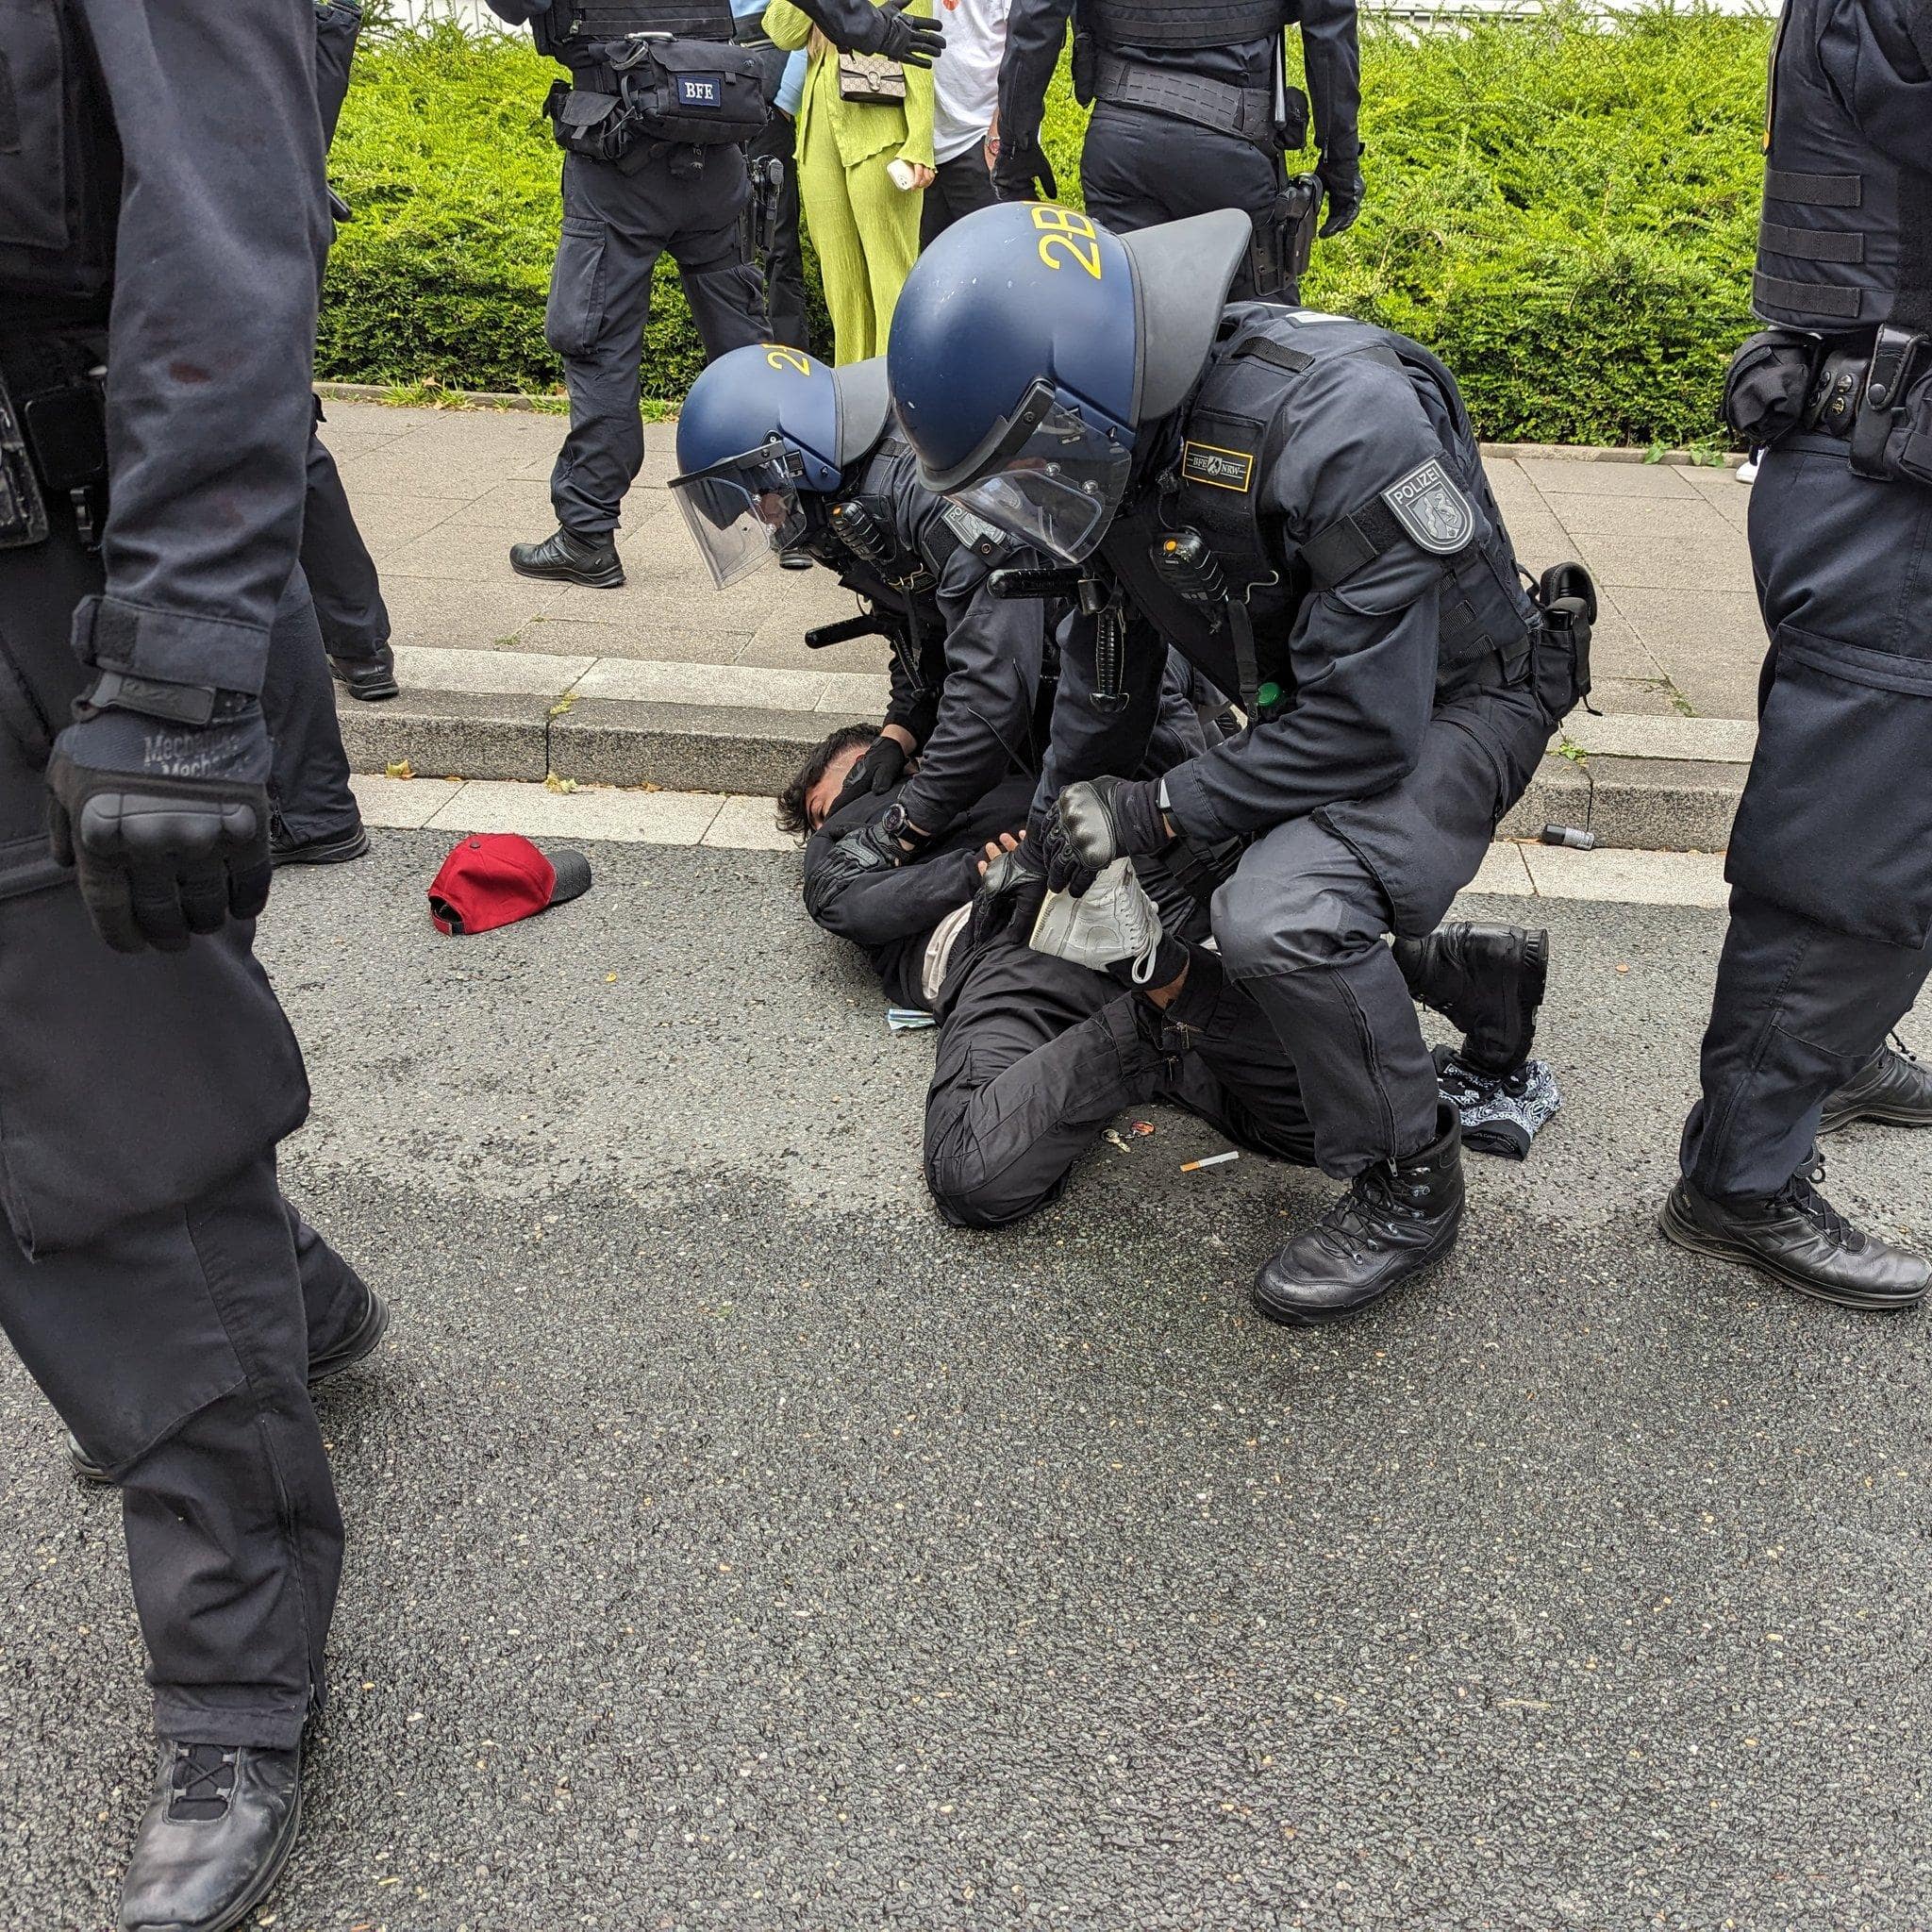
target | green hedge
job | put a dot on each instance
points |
(1563, 209)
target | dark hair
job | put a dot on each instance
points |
(792, 799)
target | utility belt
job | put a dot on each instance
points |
(635, 98)
(1246, 112)
(53, 439)
(1869, 394)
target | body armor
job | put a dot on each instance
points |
(1183, 23)
(1845, 240)
(572, 28)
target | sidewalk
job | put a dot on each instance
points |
(670, 682)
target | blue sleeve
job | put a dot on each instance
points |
(791, 89)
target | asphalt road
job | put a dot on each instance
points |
(733, 1546)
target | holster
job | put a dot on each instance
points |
(1285, 239)
(1878, 400)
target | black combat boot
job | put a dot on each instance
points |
(369, 679)
(332, 848)
(1798, 1238)
(362, 1340)
(1893, 1088)
(218, 1831)
(1487, 979)
(566, 558)
(1397, 1218)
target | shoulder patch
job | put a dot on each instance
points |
(1428, 504)
(1220, 469)
(980, 537)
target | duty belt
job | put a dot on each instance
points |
(1858, 389)
(53, 439)
(1246, 112)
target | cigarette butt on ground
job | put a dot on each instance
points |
(1211, 1160)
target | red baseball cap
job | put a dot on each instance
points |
(495, 878)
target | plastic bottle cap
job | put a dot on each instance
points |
(1270, 694)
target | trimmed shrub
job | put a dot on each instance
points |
(1562, 207)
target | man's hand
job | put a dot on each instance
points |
(167, 824)
(879, 768)
(1019, 173)
(900, 36)
(1341, 181)
(1094, 824)
(1011, 885)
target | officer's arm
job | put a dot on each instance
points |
(211, 336)
(993, 650)
(1878, 57)
(1087, 742)
(1331, 56)
(1363, 652)
(874, 909)
(335, 30)
(1034, 31)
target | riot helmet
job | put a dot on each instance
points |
(1031, 349)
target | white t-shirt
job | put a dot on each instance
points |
(966, 77)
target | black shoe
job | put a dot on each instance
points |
(365, 1339)
(795, 559)
(369, 679)
(1798, 1238)
(568, 558)
(1487, 979)
(218, 1831)
(1893, 1088)
(332, 848)
(1397, 1218)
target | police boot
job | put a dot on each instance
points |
(370, 679)
(1798, 1238)
(332, 848)
(362, 1340)
(1487, 979)
(566, 558)
(218, 1831)
(1893, 1088)
(1396, 1218)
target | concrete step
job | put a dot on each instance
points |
(1650, 783)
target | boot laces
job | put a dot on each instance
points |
(1375, 1210)
(1801, 1193)
(203, 1781)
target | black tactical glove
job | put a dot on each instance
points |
(1026, 176)
(872, 848)
(1341, 181)
(881, 767)
(1094, 824)
(166, 824)
(1009, 895)
(900, 36)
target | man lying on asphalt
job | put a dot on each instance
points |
(1038, 1053)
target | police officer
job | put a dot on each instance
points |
(153, 1278)
(1192, 113)
(1830, 862)
(768, 433)
(1297, 501)
(653, 122)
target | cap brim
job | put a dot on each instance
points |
(573, 877)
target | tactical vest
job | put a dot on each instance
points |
(1234, 431)
(59, 173)
(1183, 23)
(571, 28)
(1845, 241)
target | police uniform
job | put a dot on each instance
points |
(152, 1277)
(1191, 113)
(1830, 861)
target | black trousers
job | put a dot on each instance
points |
(958, 186)
(152, 1277)
(342, 575)
(615, 226)
(1830, 861)
(784, 262)
(309, 781)
(1035, 1057)
(1138, 169)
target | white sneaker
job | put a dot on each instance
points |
(1747, 470)
(1115, 921)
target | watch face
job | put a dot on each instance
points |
(894, 820)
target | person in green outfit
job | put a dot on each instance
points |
(863, 223)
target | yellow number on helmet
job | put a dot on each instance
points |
(1070, 232)
(786, 359)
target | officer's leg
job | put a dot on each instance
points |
(1123, 163)
(342, 580)
(727, 292)
(316, 819)
(1035, 1058)
(887, 222)
(785, 258)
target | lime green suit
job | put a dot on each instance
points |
(866, 230)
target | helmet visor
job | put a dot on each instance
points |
(1056, 488)
(743, 509)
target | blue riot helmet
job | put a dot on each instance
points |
(1030, 348)
(763, 429)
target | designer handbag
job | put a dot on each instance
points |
(872, 78)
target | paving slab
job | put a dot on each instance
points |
(1652, 879)
(1672, 805)
(661, 818)
(465, 734)
(688, 748)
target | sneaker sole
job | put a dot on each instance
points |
(332, 854)
(605, 580)
(1050, 924)
(1694, 1241)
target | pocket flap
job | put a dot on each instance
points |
(1856, 664)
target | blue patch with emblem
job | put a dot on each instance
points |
(701, 91)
